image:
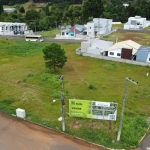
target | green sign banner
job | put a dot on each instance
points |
(93, 109)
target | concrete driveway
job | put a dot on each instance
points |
(16, 134)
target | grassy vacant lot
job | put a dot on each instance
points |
(50, 34)
(27, 84)
(141, 38)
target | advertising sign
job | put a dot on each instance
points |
(93, 109)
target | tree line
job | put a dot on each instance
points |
(55, 15)
(12, 2)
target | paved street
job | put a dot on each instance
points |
(16, 134)
(145, 145)
(45, 39)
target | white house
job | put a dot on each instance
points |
(125, 49)
(98, 27)
(9, 10)
(95, 46)
(9, 28)
(137, 23)
(72, 31)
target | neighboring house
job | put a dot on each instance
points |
(94, 46)
(125, 49)
(99, 27)
(72, 31)
(143, 54)
(9, 28)
(9, 10)
(136, 23)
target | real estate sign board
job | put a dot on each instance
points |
(93, 109)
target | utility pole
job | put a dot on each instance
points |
(63, 103)
(123, 105)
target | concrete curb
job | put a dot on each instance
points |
(144, 135)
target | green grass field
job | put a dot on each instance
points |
(27, 84)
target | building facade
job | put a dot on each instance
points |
(99, 27)
(136, 23)
(9, 28)
(95, 46)
(143, 54)
(125, 49)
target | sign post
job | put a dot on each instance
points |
(93, 109)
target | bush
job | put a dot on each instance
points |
(91, 86)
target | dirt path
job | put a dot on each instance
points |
(16, 134)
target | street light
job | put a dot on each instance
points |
(63, 103)
(123, 105)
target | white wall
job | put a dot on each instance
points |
(92, 50)
(84, 46)
(90, 29)
(148, 57)
(115, 53)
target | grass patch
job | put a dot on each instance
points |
(27, 84)
(49, 34)
(119, 26)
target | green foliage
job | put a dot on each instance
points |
(54, 56)
(92, 8)
(91, 86)
(57, 95)
(1, 7)
(50, 78)
(6, 106)
(133, 129)
(22, 10)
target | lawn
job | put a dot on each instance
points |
(49, 34)
(27, 84)
(141, 38)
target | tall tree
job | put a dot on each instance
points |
(54, 56)
(92, 8)
(1, 7)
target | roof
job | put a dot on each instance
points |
(74, 30)
(11, 23)
(100, 44)
(142, 53)
(144, 48)
(33, 35)
(126, 44)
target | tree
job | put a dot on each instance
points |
(1, 7)
(92, 8)
(22, 10)
(54, 56)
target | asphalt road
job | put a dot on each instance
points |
(145, 144)
(45, 39)
(16, 134)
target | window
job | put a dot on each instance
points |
(90, 27)
(149, 59)
(72, 34)
(118, 54)
(111, 53)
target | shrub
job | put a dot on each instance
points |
(91, 86)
